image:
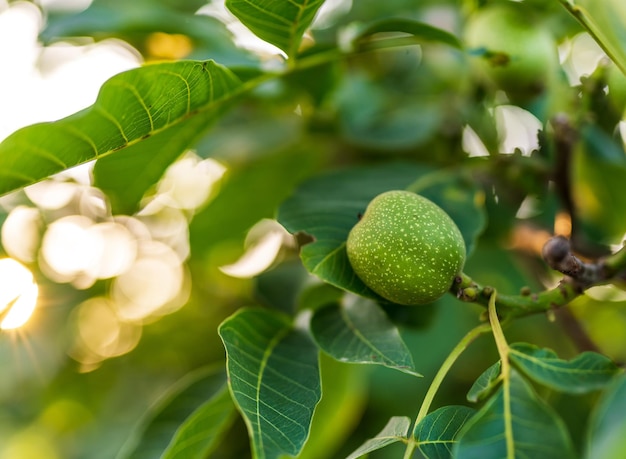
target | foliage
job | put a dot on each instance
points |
(300, 358)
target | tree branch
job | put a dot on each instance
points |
(579, 276)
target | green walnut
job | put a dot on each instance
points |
(406, 248)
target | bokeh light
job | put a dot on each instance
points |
(188, 182)
(100, 334)
(152, 286)
(517, 129)
(21, 233)
(119, 249)
(30, 443)
(51, 194)
(472, 144)
(580, 56)
(18, 294)
(69, 248)
(263, 244)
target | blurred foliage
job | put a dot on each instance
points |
(378, 95)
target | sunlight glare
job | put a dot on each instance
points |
(22, 309)
(47, 83)
(18, 292)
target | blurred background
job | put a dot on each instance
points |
(101, 310)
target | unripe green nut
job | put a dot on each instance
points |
(406, 248)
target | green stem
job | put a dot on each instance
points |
(505, 374)
(517, 305)
(581, 16)
(438, 379)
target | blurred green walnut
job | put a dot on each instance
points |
(517, 55)
(406, 248)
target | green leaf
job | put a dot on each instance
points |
(198, 401)
(485, 384)
(518, 419)
(280, 23)
(126, 177)
(131, 107)
(587, 372)
(201, 432)
(375, 117)
(606, 439)
(417, 29)
(437, 433)
(358, 331)
(280, 287)
(606, 20)
(328, 206)
(274, 378)
(396, 430)
(318, 294)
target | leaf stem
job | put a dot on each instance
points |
(505, 373)
(581, 16)
(438, 379)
